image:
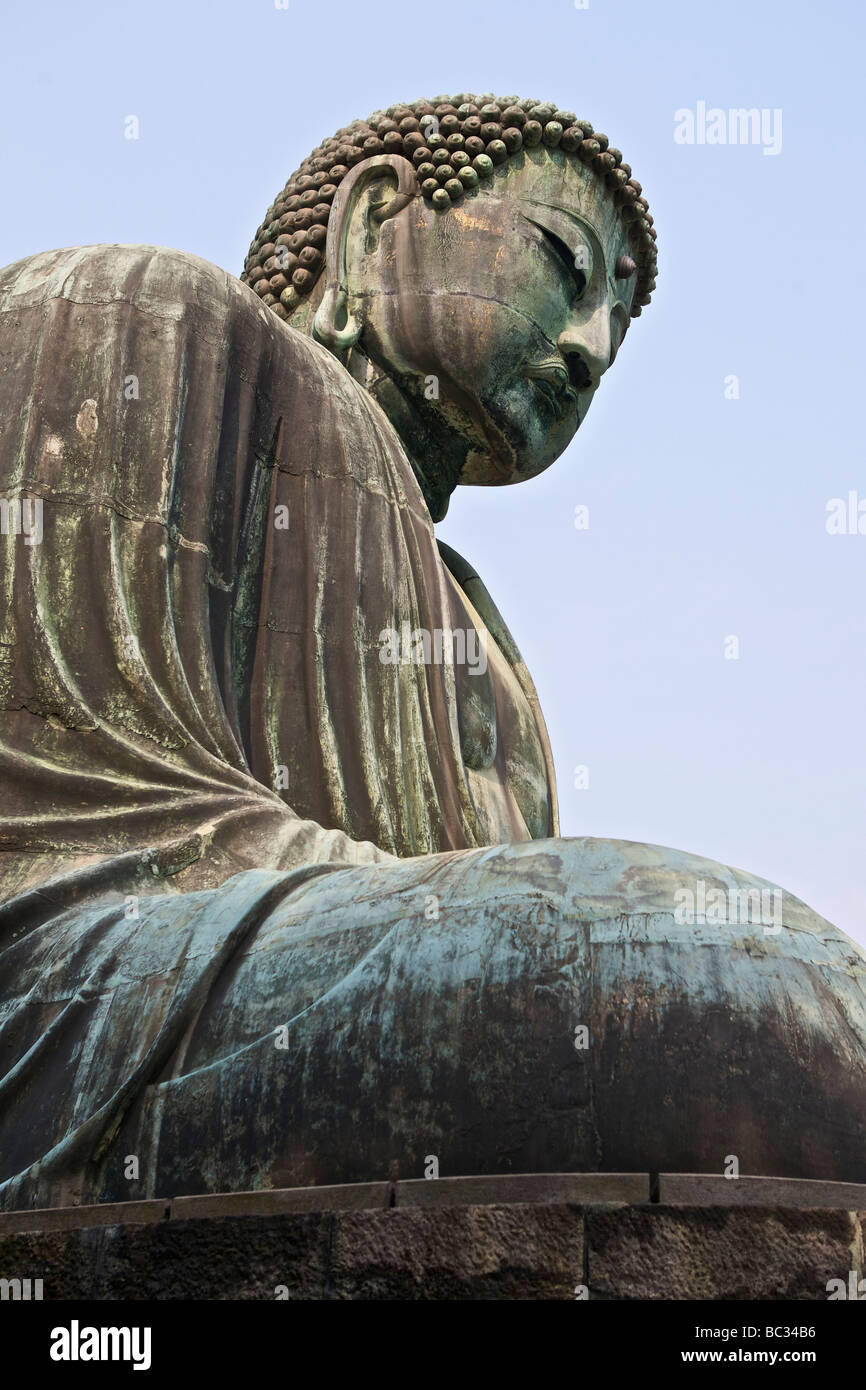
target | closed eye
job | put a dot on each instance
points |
(565, 257)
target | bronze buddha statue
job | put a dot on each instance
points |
(283, 896)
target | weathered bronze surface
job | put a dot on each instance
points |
(283, 898)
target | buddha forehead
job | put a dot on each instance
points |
(499, 223)
(549, 188)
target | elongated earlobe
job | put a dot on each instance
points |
(333, 326)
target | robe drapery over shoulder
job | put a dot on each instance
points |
(198, 680)
(191, 657)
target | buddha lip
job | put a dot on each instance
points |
(551, 379)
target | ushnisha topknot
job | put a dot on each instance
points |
(455, 143)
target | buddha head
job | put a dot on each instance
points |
(475, 263)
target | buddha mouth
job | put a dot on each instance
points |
(551, 380)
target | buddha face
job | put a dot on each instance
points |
(498, 316)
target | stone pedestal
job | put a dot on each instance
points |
(551, 1236)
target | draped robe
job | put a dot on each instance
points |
(270, 910)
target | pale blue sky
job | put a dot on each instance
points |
(707, 516)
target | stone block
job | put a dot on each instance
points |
(524, 1251)
(584, 1189)
(716, 1252)
(76, 1218)
(712, 1189)
(272, 1201)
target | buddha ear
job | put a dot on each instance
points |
(333, 326)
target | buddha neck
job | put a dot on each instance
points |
(436, 451)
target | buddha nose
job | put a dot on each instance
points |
(586, 347)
